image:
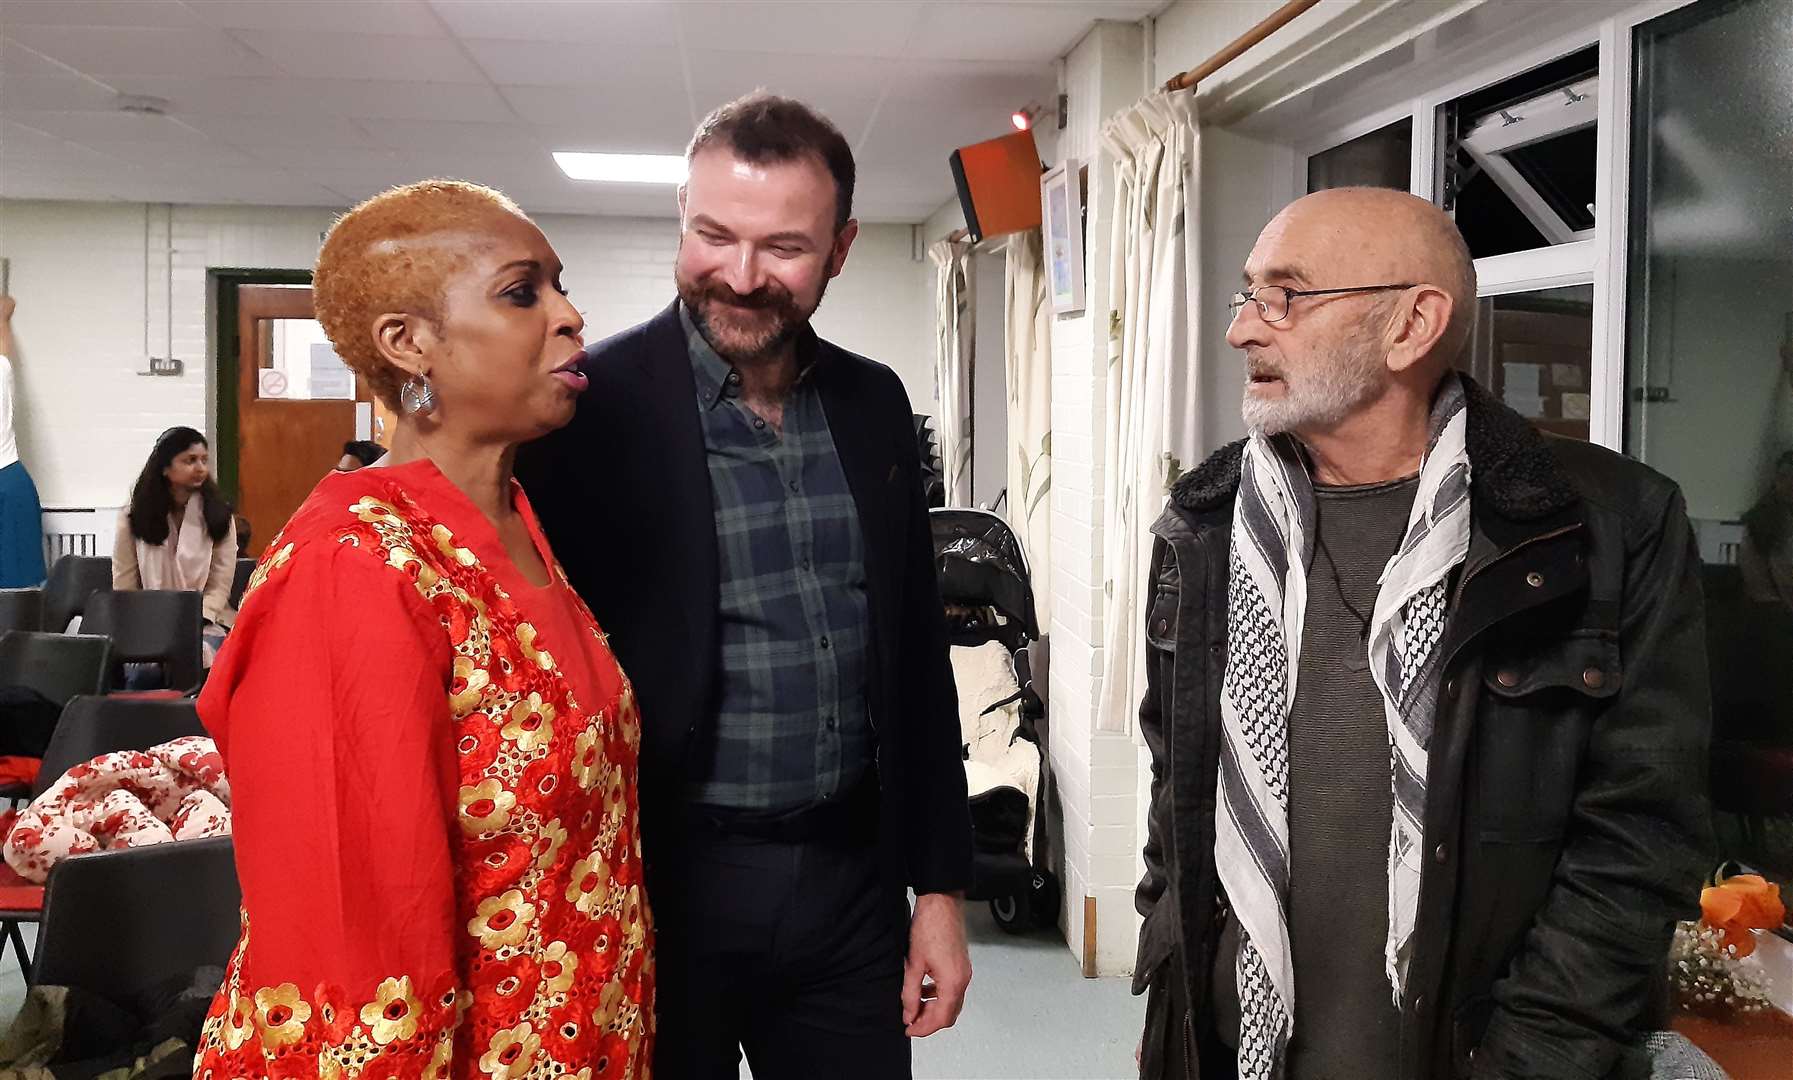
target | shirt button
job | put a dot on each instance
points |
(734, 378)
(806, 564)
(795, 486)
(759, 423)
(833, 723)
(825, 644)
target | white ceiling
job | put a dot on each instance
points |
(324, 102)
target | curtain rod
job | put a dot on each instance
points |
(1275, 21)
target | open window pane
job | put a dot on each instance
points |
(1517, 158)
(1381, 158)
(1709, 372)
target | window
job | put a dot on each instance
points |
(1535, 351)
(1709, 371)
(1517, 158)
(1382, 158)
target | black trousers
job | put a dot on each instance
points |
(791, 951)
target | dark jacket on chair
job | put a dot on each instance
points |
(1566, 825)
(623, 493)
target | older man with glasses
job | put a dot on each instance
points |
(1426, 699)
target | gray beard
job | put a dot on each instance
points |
(1324, 394)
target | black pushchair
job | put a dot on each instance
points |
(989, 598)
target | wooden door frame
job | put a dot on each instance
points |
(223, 284)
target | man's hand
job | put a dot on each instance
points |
(939, 966)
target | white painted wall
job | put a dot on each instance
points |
(91, 278)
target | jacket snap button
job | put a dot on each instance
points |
(1508, 679)
(1161, 627)
(1534, 579)
(1593, 678)
(1450, 689)
(1440, 853)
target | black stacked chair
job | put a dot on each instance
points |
(58, 666)
(123, 923)
(151, 626)
(72, 580)
(91, 726)
(21, 609)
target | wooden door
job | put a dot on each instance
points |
(296, 405)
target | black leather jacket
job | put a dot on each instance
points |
(1566, 823)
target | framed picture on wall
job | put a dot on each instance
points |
(1061, 214)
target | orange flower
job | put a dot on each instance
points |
(1740, 904)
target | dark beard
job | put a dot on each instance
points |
(734, 340)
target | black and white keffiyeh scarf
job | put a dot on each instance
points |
(1272, 545)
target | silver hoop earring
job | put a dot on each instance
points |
(417, 397)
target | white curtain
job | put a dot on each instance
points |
(955, 348)
(1027, 355)
(1150, 425)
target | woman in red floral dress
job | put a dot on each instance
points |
(432, 751)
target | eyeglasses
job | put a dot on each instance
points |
(1273, 300)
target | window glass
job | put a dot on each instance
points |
(1535, 351)
(1382, 158)
(1709, 372)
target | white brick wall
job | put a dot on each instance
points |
(91, 277)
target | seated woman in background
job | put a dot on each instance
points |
(431, 750)
(179, 533)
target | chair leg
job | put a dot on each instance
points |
(16, 939)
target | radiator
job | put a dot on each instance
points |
(78, 531)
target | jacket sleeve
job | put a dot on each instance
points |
(1153, 884)
(939, 837)
(1638, 839)
(330, 704)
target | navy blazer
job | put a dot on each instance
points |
(623, 493)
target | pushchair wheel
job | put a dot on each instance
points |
(1014, 912)
(1030, 908)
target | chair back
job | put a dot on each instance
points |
(91, 726)
(22, 609)
(74, 578)
(58, 666)
(125, 922)
(151, 626)
(240, 583)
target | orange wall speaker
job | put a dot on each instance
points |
(999, 185)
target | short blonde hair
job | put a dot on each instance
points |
(377, 258)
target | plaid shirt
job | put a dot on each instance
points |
(792, 726)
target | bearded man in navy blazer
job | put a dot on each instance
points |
(740, 503)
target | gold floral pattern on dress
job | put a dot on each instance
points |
(277, 557)
(486, 806)
(526, 637)
(589, 890)
(558, 966)
(588, 760)
(281, 1015)
(512, 1053)
(502, 920)
(393, 1013)
(531, 723)
(469, 686)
